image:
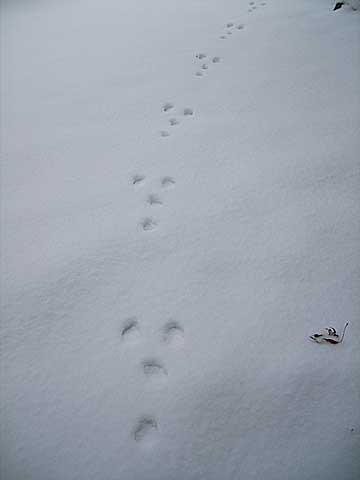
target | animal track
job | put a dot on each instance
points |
(145, 426)
(173, 333)
(148, 224)
(167, 182)
(130, 330)
(136, 179)
(168, 106)
(152, 367)
(154, 199)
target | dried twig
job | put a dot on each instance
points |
(331, 337)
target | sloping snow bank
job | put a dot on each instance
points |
(162, 270)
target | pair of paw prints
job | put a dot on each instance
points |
(205, 63)
(174, 121)
(171, 333)
(229, 28)
(252, 6)
(153, 199)
(164, 181)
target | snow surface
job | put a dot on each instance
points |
(160, 279)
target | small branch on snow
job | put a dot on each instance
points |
(330, 337)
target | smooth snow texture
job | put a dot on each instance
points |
(180, 211)
(355, 4)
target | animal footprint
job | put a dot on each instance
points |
(164, 133)
(167, 182)
(173, 122)
(153, 368)
(154, 199)
(229, 25)
(216, 59)
(188, 111)
(200, 56)
(167, 106)
(137, 179)
(145, 427)
(204, 66)
(223, 37)
(199, 74)
(173, 333)
(130, 330)
(148, 224)
(240, 26)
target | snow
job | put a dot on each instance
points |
(158, 290)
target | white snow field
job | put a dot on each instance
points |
(180, 211)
